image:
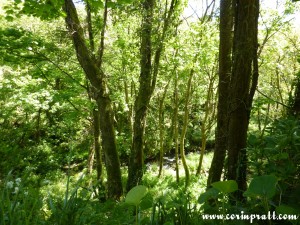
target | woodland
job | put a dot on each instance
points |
(149, 112)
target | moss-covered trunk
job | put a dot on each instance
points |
(136, 161)
(92, 68)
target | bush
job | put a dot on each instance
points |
(278, 153)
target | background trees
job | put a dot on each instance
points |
(147, 79)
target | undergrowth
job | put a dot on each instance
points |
(59, 199)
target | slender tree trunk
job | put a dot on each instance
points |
(225, 48)
(90, 163)
(242, 169)
(161, 128)
(94, 72)
(295, 110)
(206, 122)
(184, 128)
(176, 125)
(98, 155)
(96, 151)
(161, 136)
(38, 126)
(129, 105)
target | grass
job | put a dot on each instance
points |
(168, 179)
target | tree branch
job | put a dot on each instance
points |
(101, 47)
(84, 56)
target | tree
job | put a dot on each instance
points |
(135, 171)
(243, 72)
(295, 104)
(92, 67)
(238, 78)
(225, 49)
(148, 75)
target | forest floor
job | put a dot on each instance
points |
(59, 196)
(57, 183)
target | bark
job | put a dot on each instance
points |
(147, 81)
(90, 163)
(135, 170)
(206, 122)
(176, 125)
(97, 146)
(184, 128)
(129, 105)
(89, 25)
(95, 114)
(225, 48)
(295, 109)
(112, 163)
(244, 39)
(161, 128)
(95, 74)
(38, 126)
(254, 74)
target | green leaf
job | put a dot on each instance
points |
(262, 186)
(135, 195)
(146, 202)
(209, 194)
(96, 4)
(168, 223)
(226, 187)
(125, 1)
(112, 5)
(285, 209)
(9, 18)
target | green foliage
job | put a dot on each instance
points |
(46, 9)
(39, 101)
(46, 120)
(135, 195)
(211, 193)
(75, 204)
(139, 198)
(175, 209)
(226, 187)
(17, 45)
(263, 186)
(278, 154)
(19, 204)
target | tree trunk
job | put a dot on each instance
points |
(90, 162)
(206, 122)
(184, 128)
(161, 128)
(129, 105)
(97, 146)
(112, 163)
(244, 38)
(147, 82)
(94, 72)
(225, 47)
(176, 125)
(135, 170)
(295, 109)
(38, 126)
